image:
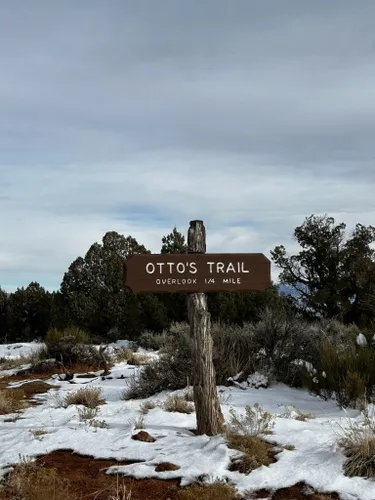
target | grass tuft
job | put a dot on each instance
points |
(12, 400)
(29, 481)
(358, 444)
(255, 452)
(178, 404)
(146, 406)
(86, 396)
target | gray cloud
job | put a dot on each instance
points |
(136, 116)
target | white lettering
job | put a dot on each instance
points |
(176, 281)
(231, 281)
(170, 264)
(220, 267)
(210, 264)
(180, 268)
(193, 267)
(160, 264)
(243, 270)
(148, 268)
(231, 268)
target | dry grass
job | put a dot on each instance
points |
(86, 413)
(219, 490)
(29, 481)
(189, 394)
(12, 400)
(303, 416)
(139, 423)
(358, 444)
(147, 406)
(36, 387)
(289, 447)
(120, 491)
(178, 404)
(86, 396)
(294, 412)
(139, 359)
(255, 452)
(38, 433)
(79, 336)
(124, 355)
(256, 421)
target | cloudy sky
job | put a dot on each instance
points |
(136, 116)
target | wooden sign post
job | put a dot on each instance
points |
(207, 408)
(197, 273)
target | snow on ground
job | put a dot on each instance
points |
(315, 460)
(12, 351)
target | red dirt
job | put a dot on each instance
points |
(78, 368)
(88, 478)
(296, 492)
(19, 378)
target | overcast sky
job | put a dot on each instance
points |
(136, 116)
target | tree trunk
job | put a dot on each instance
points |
(210, 419)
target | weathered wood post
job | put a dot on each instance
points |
(208, 412)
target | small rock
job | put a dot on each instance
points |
(163, 466)
(143, 436)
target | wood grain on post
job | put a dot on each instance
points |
(208, 412)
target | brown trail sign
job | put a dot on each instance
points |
(196, 273)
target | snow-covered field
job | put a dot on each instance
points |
(316, 458)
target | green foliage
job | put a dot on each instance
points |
(72, 344)
(234, 350)
(170, 371)
(76, 335)
(345, 371)
(28, 313)
(94, 292)
(334, 276)
(174, 242)
(151, 340)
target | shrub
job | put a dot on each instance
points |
(72, 345)
(178, 404)
(358, 444)
(86, 396)
(147, 406)
(284, 338)
(169, 372)
(256, 421)
(87, 413)
(345, 371)
(75, 334)
(151, 340)
(233, 351)
(124, 355)
(139, 359)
